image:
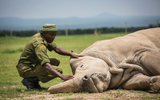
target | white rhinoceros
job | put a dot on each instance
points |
(129, 62)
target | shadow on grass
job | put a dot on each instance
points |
(42, 89)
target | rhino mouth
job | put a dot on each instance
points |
(94, 83)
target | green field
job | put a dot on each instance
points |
(10, 51)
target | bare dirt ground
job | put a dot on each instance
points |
(108, 95)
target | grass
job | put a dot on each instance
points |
(10, 51)
(11, 48)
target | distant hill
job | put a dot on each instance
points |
(102, 20)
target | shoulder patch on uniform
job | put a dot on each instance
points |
(42, 47)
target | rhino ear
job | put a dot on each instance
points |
(73, 53)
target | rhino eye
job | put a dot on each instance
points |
(81, 66)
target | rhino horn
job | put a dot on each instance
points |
(64, 87)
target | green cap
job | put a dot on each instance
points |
(49, 28)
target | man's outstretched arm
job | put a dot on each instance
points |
(64, 52)
(49, 67)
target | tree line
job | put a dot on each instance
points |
(103, 30)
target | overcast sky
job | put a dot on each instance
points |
(76, 8)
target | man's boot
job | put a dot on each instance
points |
(36, 83)
(26, 82)
(31, 83)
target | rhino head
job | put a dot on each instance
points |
(90, 75)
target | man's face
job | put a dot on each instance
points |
(49, 36)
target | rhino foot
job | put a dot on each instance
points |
(155, 84)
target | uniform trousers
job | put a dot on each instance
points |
(36, 70)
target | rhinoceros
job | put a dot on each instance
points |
(128, 62)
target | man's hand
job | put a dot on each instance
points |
(74, 55)
(67, 77)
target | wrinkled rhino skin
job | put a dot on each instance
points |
(129, 62)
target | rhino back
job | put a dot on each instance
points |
(151, 34)
(126, 45)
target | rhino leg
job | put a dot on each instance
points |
(143, 82)
(130, 70)
(151, 61)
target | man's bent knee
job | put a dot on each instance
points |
(54, 61)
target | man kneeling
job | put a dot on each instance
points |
(35, 65)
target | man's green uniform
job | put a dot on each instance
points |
(34, 56)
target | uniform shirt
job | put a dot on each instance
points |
(36, 50)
